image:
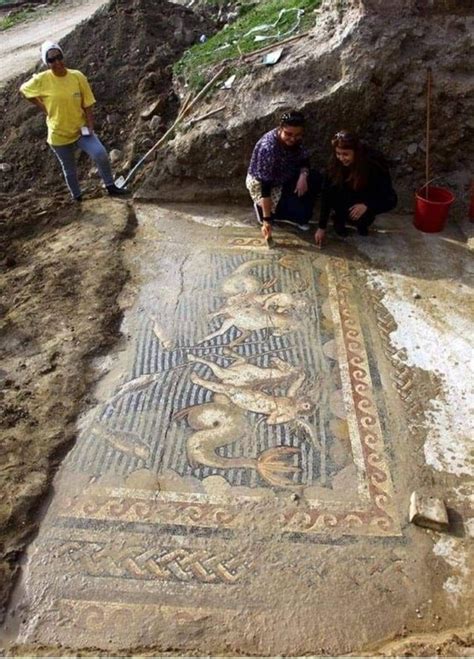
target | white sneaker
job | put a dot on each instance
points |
(301, 227)
(257, 214)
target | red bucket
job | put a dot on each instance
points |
(431, 214)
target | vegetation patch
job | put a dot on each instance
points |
(258, 25)
(14, 17)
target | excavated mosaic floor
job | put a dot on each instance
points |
(240, 446)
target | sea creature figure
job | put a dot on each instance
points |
(161, 334)
(122, 440)
(249, 309)
(220, 423)
(277, 409)
(243, 374)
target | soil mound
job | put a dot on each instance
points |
(127, 51)
(361, 67)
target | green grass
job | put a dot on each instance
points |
(234, 39)
(14, 18)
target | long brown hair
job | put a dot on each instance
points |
(357, 173)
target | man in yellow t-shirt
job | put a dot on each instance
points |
(64, 95)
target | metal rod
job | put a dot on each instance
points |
(428, 129)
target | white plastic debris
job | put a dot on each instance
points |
(279, 35)
(229, 82)
(272, 58)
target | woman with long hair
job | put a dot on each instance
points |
(279, 179)
(357, 187)
(65, 97)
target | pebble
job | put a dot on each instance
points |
(115, 155)
(412, 148)
(155, 123)
(152, 109)
(5, 167)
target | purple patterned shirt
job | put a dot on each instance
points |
(273, 162)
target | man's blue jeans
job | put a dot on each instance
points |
(95, 149)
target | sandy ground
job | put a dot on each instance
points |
(19, 46)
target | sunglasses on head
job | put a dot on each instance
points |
(56, 58)
(342, 135)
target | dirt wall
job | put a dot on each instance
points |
(359, 68)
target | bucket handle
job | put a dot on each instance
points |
(425, 187)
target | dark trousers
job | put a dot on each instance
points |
(342, 204)
(294, 208)
(342, 219)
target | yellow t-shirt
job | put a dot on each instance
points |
(65, 98)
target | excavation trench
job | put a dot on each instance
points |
(223, 479)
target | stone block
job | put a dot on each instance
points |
(429, 512)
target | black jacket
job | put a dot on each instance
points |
(378, 194)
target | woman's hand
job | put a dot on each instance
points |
(319, 237)
(266, 229)
(356, 211)
(302, 184)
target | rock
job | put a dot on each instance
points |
(156, 123)
(412, 148)
(113, 118)
(152, 109)
(149, 82)
(145, 143)
(115, 155)
(188, 37)
(416, 296)
(5, 167)
(429, 512)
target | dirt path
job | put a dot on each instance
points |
(19, 46)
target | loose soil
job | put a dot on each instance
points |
(61, 273)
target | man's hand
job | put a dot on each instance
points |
(356, 211)
(39, 104)
(302, 184)
(319, 237)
